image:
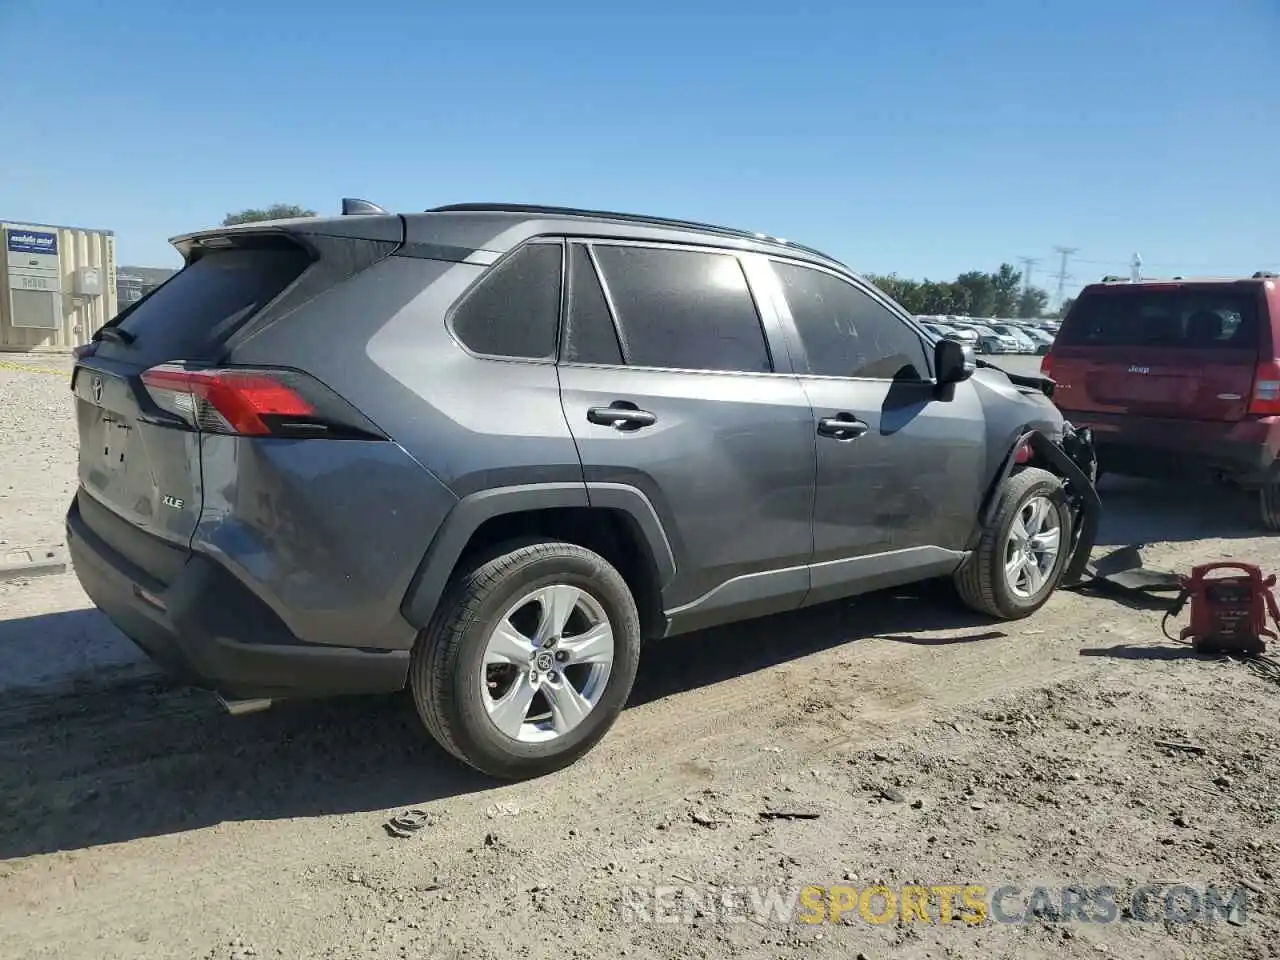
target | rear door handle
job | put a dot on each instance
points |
(842, 427)
(621, 418)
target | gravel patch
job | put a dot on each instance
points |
(37, 450)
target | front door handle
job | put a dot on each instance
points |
(621, 417)
(841, 427)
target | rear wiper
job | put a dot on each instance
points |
(116, 334)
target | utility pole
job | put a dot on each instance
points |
(1027, 264)
(1062, 276)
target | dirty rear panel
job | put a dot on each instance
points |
(1185, 351)
(140, 487)
(326, 530)
(139, 466)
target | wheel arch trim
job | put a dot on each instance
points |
(1066, 468)
(471, 512)
(990, 496)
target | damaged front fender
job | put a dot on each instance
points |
(1075, 460)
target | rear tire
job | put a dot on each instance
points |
(985, 581)
(494, 704)
(1269, 504)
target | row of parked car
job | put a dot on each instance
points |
(996, 336)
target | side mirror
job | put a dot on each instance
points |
(953, 361)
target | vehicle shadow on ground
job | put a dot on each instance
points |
(143, 757)
(1147, 652)
(698, 659)
(1147, 511)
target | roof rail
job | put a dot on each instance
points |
(353, 207)
(535, 209)
(1265, 275)
(1112, 278)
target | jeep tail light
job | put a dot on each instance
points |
(255, 402)
(1266, 390)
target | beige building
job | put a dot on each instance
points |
(57, 285)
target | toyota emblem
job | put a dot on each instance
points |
(97, 389)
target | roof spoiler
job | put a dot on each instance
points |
(354, 207)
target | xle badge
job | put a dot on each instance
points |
(174, 502)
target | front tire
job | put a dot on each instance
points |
(528, 660)
(1023, 550)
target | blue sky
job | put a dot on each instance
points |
(922, 136)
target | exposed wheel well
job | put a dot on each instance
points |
(611, 533)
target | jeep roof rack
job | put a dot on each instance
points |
(639, 218)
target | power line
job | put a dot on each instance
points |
(1062, 276)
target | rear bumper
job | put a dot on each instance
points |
(1247, 451)
(209, 630)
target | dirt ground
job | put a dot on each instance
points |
(889, 741)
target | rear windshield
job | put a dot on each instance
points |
(1222, 318)
(200, 306)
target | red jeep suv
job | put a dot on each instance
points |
(1177, 377)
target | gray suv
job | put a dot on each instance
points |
(487, 451)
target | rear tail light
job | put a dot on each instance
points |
(1266, 390)
(1023, 453)
(255, 402)
(1046, 365)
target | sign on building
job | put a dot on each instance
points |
(35, 277)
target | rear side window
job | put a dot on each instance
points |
(846, 332)
(196, 310)
(1206, 319)
(684, 309)
(589, 335)
(514, 310)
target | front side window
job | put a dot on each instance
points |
(684, 309)
(515, 308)
(846, 332)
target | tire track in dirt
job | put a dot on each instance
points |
(146, 743)
(262, 821)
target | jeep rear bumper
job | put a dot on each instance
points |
(1247, 451)
(209, 630)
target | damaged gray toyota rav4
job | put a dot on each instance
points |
(486, 451)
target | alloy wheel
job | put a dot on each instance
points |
(1031, 551)
(547, 663)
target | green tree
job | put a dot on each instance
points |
(943, 297)
(975, 293)
(1006, 290)
(1032, 303)
(277, 211)
(978, 291)
(1064, 307)
(900, 289)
